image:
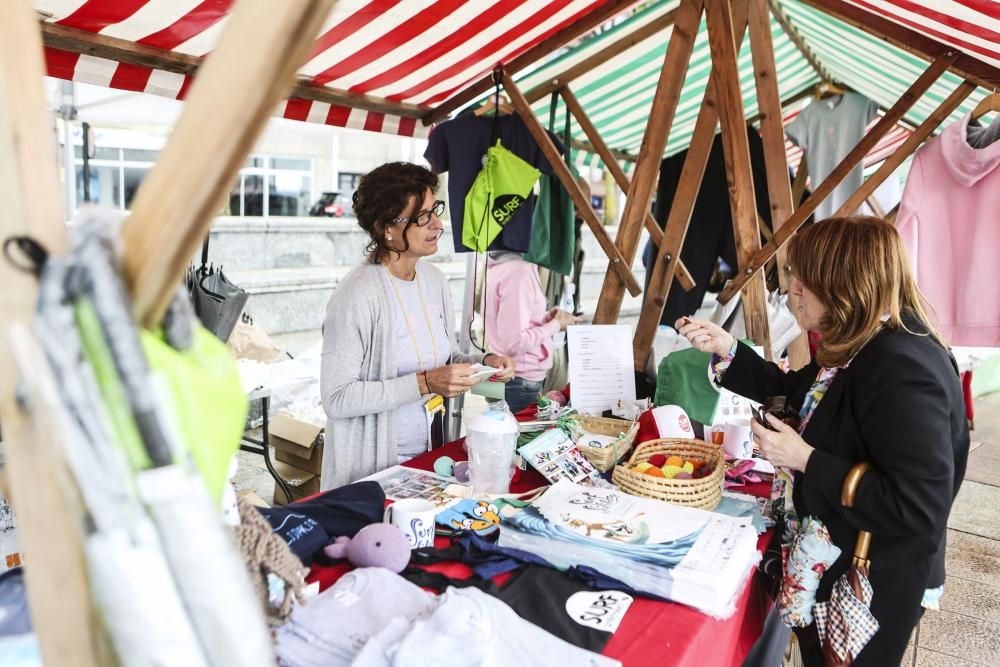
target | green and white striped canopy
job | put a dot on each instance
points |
(618, 95)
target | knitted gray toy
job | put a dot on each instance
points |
(376, 545)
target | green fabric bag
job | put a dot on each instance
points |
(503, 185)
(553, 230)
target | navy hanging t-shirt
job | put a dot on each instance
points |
(458, 146)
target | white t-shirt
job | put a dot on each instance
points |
(411, 419)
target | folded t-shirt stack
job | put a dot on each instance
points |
(694, 557)
(373, 617)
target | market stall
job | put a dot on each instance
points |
(395, 81)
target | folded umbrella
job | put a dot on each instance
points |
(845, 623)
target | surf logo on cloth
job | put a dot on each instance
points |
(500, 189)
(601, 610)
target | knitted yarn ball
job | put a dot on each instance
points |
(444, 466)
(461, 472)
(375, 545)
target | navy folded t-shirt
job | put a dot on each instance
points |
(458, 146)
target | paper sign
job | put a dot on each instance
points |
(600, 366)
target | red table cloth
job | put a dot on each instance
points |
(652, 632)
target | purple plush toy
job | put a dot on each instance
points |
(375, 545)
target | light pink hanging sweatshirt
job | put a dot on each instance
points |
(950, 221)
(515, 313)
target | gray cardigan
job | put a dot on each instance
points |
(358, 383)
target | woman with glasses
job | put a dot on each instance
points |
(388, 345)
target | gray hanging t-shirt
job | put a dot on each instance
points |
(827, 130)
(411, 418)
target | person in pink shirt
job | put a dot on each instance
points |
(519, 324)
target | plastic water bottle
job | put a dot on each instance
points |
(491, 441)
(566, 301)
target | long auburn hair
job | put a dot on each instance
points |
(859, 270)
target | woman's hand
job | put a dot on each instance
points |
(784, 447)
(564, 318)
(505, 364)
(451, 380)
(705, 336)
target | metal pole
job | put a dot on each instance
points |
(67, 110)
(86, 162)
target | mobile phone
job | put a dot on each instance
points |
(758, 416)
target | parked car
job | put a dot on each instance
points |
(332, 205)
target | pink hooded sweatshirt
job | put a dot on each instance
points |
(515, 311)
(950, 221)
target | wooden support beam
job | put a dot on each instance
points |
(76, 40)
(654, 141)
(800, 180)
(775, 159)
(839, 173)
(739, 173)
(655, 233)
(49, 514)
(251, 69)
(891, 215)
(621, 267)
(939, 115)
(968, 67)
(675, 231)
(800, 43)
(533, 55)
(581, 145)
(792, 99)
(681, 210)
(570, 74)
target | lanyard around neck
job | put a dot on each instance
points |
(409, 327)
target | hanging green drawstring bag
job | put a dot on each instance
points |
(499, 190)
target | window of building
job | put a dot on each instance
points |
(348, 183)
(273, 186)
(115, 175)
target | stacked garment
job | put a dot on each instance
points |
(948, 220)
(686, 555)
(372, 616)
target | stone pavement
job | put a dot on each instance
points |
(967, 629)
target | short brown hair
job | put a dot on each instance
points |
(382, 196)
(859, 270)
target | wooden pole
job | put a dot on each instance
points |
(654, 141)
(49, 513)
(775, 160)
(622, 267)
(623, 181)
(675, 231)
(800, 180)
(933, 121)
(681, 210)
(839, 173)
(739, 174)
(248, 73)
(533, 55)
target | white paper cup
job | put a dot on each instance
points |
(737, 441)
(672, 422)
(415, 517)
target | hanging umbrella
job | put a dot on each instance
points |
(845, 623)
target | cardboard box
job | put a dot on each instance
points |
(297, 443)
(301, 483)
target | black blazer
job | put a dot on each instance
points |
(898, 406)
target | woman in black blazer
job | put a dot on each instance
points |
(895, 402)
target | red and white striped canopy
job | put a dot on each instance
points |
(413, 51)
(421, 52)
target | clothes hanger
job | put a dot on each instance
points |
(986, 105)
(825, 89)
(505, 108)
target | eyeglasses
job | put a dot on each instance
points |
(424, 217)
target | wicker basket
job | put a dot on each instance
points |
(704, 493)
(605, 458)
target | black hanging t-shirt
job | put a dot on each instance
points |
(458, 146)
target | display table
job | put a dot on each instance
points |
(652, 632)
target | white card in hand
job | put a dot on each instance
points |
(482, 370)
